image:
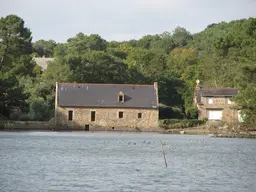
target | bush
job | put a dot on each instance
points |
(192, 113)
(177, 123)
(39, 109)
(25, 118)
(171, 112)
(204, 120)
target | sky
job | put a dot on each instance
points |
(122, 19)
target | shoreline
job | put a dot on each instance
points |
(188, 131)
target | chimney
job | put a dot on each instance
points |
(197, 97)
(155, 85)
(197, 84)
(156, 89)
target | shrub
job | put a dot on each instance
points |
(177, 123)
(192, 113)
(205, 119)
(39, 109)
(171, 112)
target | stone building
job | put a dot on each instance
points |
(215, 103)
(106, 106)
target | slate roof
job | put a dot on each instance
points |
(105, 95)
(218, 92)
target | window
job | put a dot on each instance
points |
(139, 115)
(120, 98)
(70, 115)
(93, 115)
(121, 114)
(209, 100)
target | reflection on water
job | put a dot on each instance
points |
(52, 161)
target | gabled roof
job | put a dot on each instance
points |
(106, 95)
(218, 91)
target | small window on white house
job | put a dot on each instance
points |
(209, 100)
(139, 115)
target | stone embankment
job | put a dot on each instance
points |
(26, 125)
(50, 126)
(223, 129)
(214, 128)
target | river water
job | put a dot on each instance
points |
(80, 161)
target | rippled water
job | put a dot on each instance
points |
(52, 161)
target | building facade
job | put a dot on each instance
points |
(216, 104)
(106, 106)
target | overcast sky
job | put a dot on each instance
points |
(122, 19)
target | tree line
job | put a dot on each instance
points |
(222, 55)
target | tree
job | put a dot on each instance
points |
(15, 47)
(39, 110)
(15, 60)
(246, 100)
(165, 43)
(83, 43)
(44, 48)
(57, 71)
(98, 67)
(146, 41)
(181, 37)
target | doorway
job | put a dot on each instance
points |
(86, 127)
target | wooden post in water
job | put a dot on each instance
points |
(163, 154)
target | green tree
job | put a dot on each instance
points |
(15, 61)
(181, 37)
(44, 48)
(39, 109)
(98, 67)
(246, 100)
(83, 43)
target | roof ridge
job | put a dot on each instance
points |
(218, 88)
(105, 84)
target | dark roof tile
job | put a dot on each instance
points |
(219, 91)
(105, 95)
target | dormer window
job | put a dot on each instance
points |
(120, 97)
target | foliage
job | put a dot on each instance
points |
(192, 113)
(246, 100)
(15, 61)
(44, 48)
(178, 123)
(222, 55)
(39, 109)
(171, 112)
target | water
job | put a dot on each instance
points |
(52, 161)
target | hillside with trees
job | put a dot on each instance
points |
(222, 55)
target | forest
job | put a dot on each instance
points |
(222, 55)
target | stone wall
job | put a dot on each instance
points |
(108, 118)
(26, 125)
(229, 114)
